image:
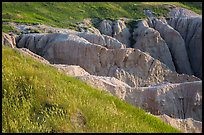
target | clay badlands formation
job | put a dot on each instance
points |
(160, 71)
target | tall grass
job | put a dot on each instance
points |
(38, 98)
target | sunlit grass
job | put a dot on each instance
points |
(66, 14)
(38, 98)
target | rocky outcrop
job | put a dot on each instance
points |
(188, 125)
(93, 38)
(8, 40)
(179, 12)
(143, 76)
(129, 65)
(182, 100)
(149, 13)
(93, 30)
(121, 32)
(185, 28)
(112, 43)
(103, 40)
(176, 46)
(191, 31)
(182, 36)
(87, 26)
(116, 29)
(71, 70)
(109, 84)
(149, 40)
(26, 29)
(105, 27)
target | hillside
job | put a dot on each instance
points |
(102, 67)
(67, 14)
(41, 99)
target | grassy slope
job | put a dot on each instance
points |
(38, 98)
(194, 6)
(66, 14)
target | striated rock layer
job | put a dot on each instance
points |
(176, 46)
(149, 40)
(186, 125)
(129, 65)
(116, 29)
(8, 40)
(180, 100)
(191, 31)
(176, 42)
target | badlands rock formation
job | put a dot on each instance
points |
(186, 125)
(86, 26)
(149, 40)
(105, 27)
(121, 32)
(116, 29)
(179, 37)
(180, 100)
(176, 46)
(183, 28)
(129, 65)
(156, 75)
(8, 40)
(191, 101)
(191, 31)
(185, 49)
(181, 33)
(103, 40)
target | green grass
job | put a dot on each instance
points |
(38, 98)
(194, 6)
(66, 14)
(7, 28)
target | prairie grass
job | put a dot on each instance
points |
(66, 14)
(38, 98)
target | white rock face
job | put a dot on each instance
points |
(121, 32)
(129, 65)
(176, 46)
(191, 31)
(8, 40)
(188, 125)
(105, 27)
(149, 40)
(104, 40)
(116, 29)
(72, 70)
(182, 100)
(109, 84)
(112, 43)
